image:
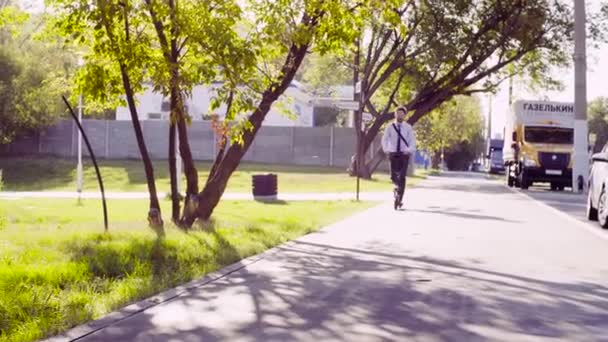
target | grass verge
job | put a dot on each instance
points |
(58, 270)
(47, 174)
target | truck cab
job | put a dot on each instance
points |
(541, 144)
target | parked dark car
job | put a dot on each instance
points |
(597, 198)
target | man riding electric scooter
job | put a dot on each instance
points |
(399, 143)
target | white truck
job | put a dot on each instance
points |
(539, 144)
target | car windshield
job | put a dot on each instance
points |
(549, 135)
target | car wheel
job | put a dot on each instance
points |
(591, 211)
(602, 209)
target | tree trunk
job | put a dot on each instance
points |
(215, 187)
(364, 172)
(154, 215)
(179, 115)
(190, 171)
(220, 130)
(213, 190)
(173, 174)
(171, 52)
(218, 159)
(184, 148)
(436, 160)
(368, 137)
(375, 162)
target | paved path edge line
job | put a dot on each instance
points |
(81, 331)
(583, 225)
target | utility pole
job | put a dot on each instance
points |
(357, 114)
(489, 146)
(510, 91)
(581, 153)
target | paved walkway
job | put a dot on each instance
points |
(467, 260)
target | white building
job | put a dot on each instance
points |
(296, 101)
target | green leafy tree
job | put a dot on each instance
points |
(422, 54)
(33, 74)
(598, 121)
(460, 156)
(322, 72)
(116, 40)
(254, 47)
(456, 122)
(284, 34)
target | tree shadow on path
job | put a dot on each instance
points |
(307, 291)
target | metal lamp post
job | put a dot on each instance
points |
(79, 165)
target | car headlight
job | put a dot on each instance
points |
(528, 162)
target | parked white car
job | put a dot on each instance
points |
(597, 198)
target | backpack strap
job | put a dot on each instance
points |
(401, 136)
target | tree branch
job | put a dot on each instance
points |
(394, 93)
(220, 154)
(160, 30)
(182, 45)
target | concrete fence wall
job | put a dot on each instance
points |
(321, 146)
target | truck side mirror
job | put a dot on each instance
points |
(514, 136)
(514, 145)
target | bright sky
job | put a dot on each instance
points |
(597, 76)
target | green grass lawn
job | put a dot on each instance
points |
(58, 269)
(28, 174)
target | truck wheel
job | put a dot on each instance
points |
(554, 187)
(524, 183)
(510, 180)
(591, 211)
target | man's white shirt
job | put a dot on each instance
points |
(390, 138)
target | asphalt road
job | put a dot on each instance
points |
(467, 260)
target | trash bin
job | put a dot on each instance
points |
(265, 187)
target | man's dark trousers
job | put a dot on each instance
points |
(399, 164)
